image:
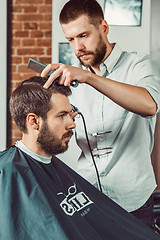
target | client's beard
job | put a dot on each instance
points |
(50, 143)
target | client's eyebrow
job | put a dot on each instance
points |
(64, 112)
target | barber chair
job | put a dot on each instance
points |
(156, 210)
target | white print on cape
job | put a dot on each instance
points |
(74, 202)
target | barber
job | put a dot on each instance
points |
(119, 95)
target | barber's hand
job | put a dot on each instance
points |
(73, 114)
(66, 74)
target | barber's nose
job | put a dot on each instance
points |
(78, 45)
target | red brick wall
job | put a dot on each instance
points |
(31, 24)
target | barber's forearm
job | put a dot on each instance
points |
(133, 98)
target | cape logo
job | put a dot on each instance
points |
(74, 202)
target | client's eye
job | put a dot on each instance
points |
(61, 116)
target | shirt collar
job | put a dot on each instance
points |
(37, 157)
(112, 59)
(109, 63)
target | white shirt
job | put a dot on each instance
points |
(122, 151)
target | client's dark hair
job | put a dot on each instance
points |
(31, 97)
(75, 8)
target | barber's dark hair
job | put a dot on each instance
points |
(75, 8)
(31, 97)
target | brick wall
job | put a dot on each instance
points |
(31, 24)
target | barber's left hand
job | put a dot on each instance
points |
(66, 74)
(73, 114)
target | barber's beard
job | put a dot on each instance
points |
(98, 55)
(50, 143)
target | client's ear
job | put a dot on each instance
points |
(33, 121)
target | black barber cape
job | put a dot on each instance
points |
(50, 201)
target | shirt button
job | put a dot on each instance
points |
(101, 139)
